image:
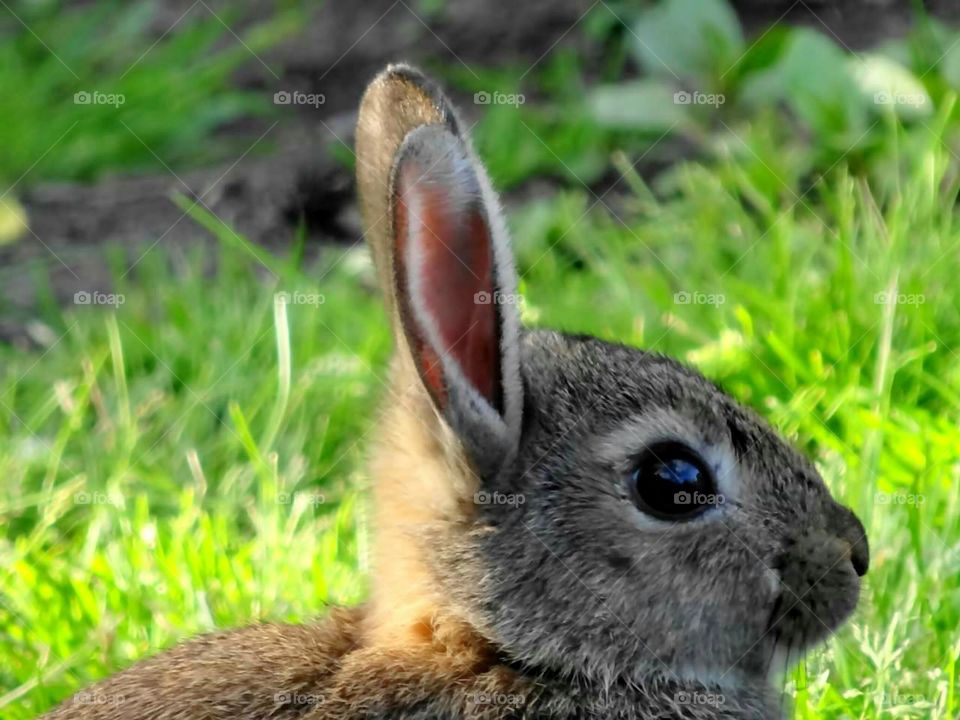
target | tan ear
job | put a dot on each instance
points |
(399, 100)
(442, 253)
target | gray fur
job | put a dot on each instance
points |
(568, 582)
(592, 608)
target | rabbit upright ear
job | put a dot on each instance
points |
(445, 264)
(455, 291)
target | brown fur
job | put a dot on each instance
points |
(391, 106)
(219, 675)
(300, 671)
(408, 644)
(413, 462)
(421, 478)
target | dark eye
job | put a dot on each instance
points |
(671, 482)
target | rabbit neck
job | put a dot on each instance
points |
(451, 682)
(421, 483)
(658, 698)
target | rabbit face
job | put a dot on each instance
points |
(628, 519)
(579, 575)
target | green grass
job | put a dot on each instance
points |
(195, 465)
(150, 453)
(193, 457)
(151, 101)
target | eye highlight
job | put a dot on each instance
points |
(670, 481)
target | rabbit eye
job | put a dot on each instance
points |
(671, 482)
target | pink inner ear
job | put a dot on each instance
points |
(455, 286)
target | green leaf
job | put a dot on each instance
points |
(636, 105)
(950, 67)
(692, 40)
(813, 79)
(764, 52)
(888, 84)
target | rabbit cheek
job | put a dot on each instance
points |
(820, 590)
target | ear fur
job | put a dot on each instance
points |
(397, 101)
(445, 266)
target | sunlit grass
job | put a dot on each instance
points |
(192, 458)
(84, 101)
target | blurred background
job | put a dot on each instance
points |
(192, 351)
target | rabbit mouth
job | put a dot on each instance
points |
(815, 598)
(783, 657)
(792, 635)
(793, 632)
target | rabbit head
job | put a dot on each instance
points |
(585, 508)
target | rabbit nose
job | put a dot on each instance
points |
(860, 551)
(851, 529)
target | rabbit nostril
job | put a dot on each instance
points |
(848, 527)
(860, 556)
(855, 534)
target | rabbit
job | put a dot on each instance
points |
(565, 527)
